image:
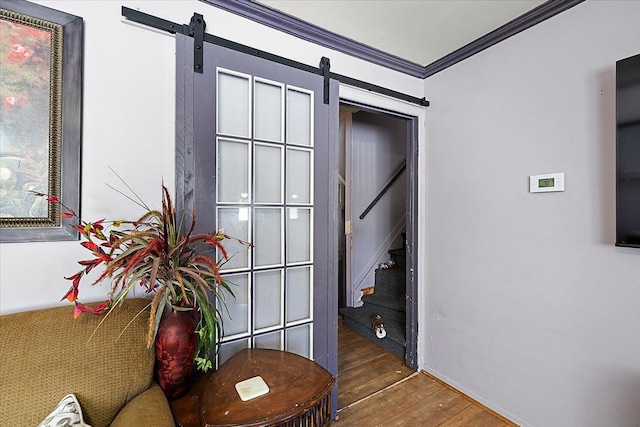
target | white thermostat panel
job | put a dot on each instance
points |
(547, 182)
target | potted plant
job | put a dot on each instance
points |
(170, 262)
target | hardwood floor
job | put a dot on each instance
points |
(375, 388)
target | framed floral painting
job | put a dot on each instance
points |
(40, 120)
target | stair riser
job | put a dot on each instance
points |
(390, 282)
(398, 255)
(396, 303)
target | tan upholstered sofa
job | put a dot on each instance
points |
(46, 354)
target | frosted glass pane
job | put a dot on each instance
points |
(268, 112)
(299, 117)
(267, 236)
(235, 222)
(298, 340)
(267, 299)
(298, 235)
(298, 294)
(233, 171)
(271, 340)
(236, 315)
(299, 176)
(268, 174)
(227, 350)
(233, 105)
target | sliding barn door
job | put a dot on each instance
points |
(254, 159)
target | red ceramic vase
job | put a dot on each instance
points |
(175, 349)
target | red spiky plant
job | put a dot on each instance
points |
(154, 252)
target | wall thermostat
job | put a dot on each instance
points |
(547, 182)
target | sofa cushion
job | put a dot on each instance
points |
(67, 413)
(149, 408)
(46, 354)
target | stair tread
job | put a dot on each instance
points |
(395, 330)
(387, 313)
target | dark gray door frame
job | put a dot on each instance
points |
(411, 356)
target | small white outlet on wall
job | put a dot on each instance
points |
(546, 183)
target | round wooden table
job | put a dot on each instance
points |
(299, 393)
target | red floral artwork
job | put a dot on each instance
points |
(19, 53)
(25, 74)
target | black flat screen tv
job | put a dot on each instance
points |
(628, 152)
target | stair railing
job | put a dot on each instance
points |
(384, 190)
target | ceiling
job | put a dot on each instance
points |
(420, 31)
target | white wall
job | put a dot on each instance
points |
(129, 114)
(529, 306)
(378, 150)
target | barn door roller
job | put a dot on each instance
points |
(196, 30)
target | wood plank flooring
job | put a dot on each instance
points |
(376, 388)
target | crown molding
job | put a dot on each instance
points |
(521, 23)
(312, 33)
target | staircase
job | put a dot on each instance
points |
(388, 301)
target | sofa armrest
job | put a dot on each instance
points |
(149, 408)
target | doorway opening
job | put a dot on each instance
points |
(377, 228)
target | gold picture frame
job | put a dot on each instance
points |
(40, 121)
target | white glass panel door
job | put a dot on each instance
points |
(234, 97)
(269, 110)
(299, 176)
(271, 340)
(299, 226)
(299, 295)
(233, 171)
(298, 338)
(299, 117)
(237, 309)
(245, 126)
(235, 221)
(268, 173)
(267, 237)
(264, 194)
(268, 300)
